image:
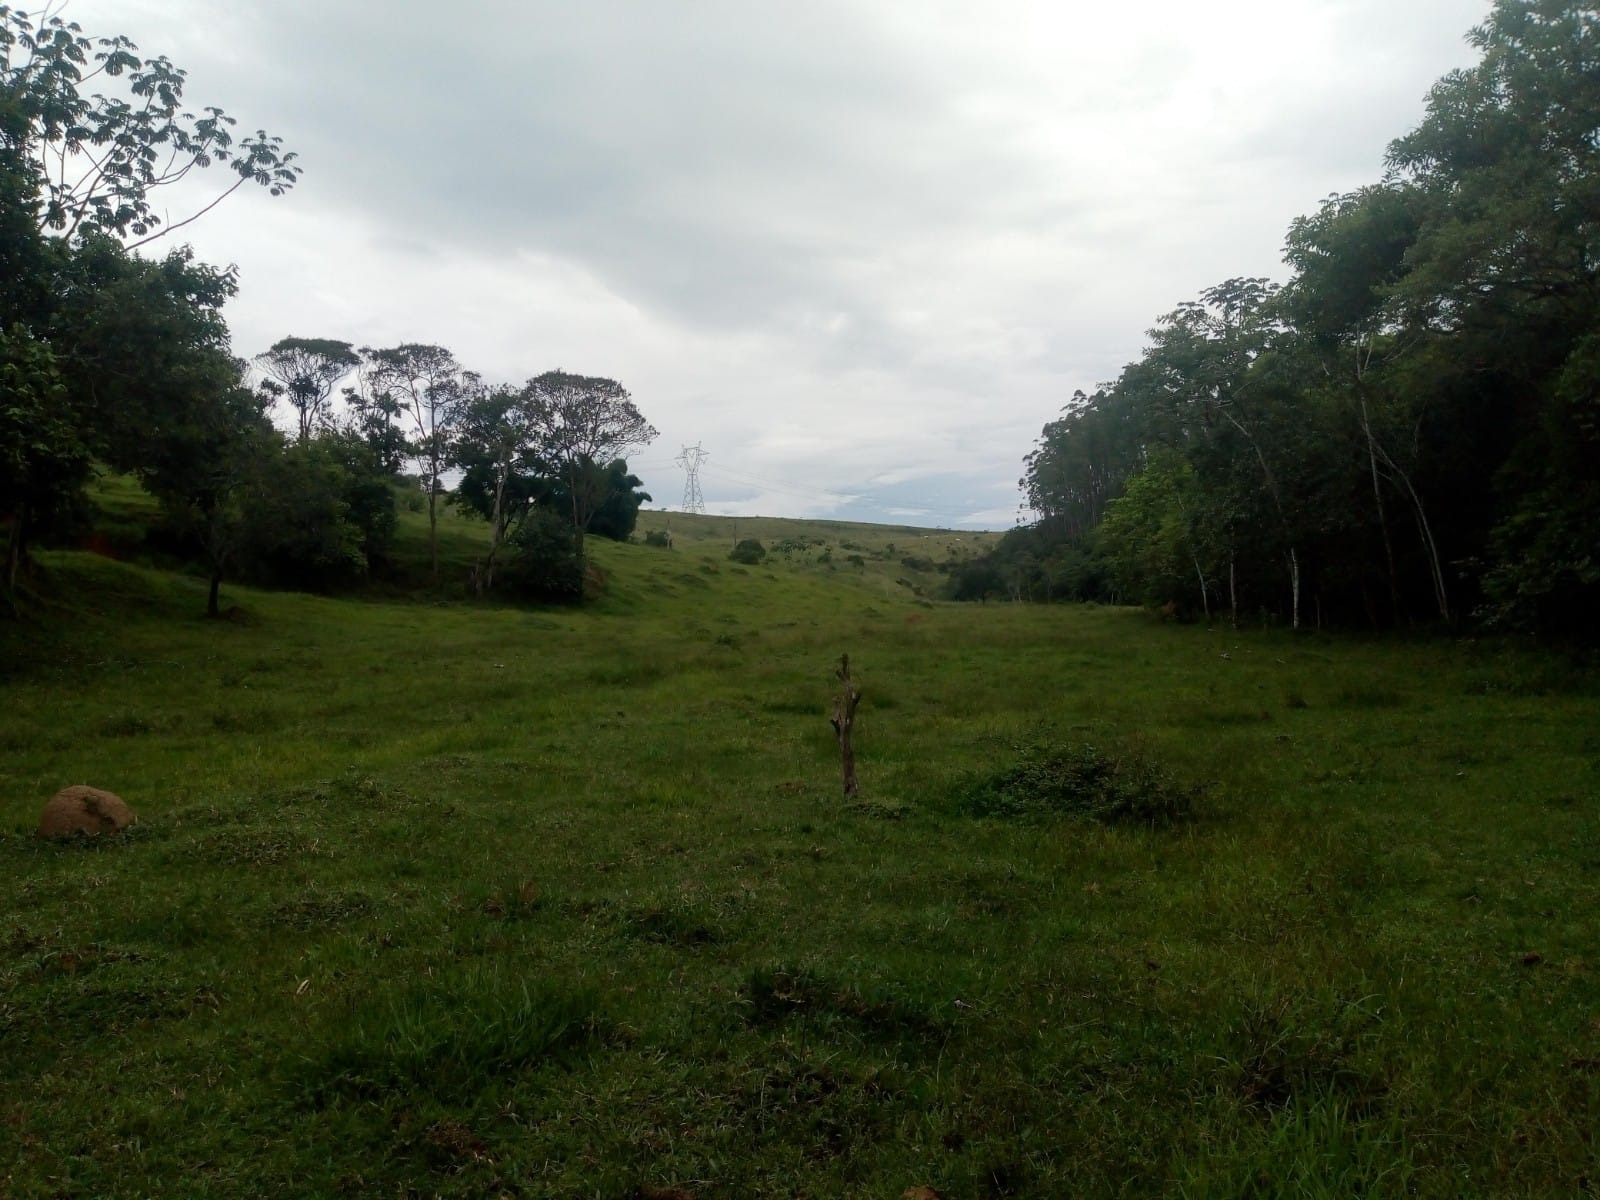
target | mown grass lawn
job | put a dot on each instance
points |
(449, 899)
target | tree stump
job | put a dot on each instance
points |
(844, 717)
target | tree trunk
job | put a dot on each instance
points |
(1233, 593)
(1436, 568)
(216, 586)
(844, 718)
(1383, 518)
(1205, 604)
(497, 528)
(433, 530)
(1294, 587)
(16, 547)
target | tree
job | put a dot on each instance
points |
(307, 370)
(1506, 269)
(501, 472)
(203, 471)
(1151, 537)
(582, 420)
(430, 391)
(102, 339)
(43, 457)
(621, 495)
(98, 159)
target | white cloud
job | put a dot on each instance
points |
(842, 244)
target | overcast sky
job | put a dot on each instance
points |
(860, 251)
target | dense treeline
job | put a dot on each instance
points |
(1408, 429)
(114, 360)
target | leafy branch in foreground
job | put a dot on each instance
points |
(98, 158)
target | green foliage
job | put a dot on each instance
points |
(135, 128)
(1405, 428)
(299, 531)
(43, 456)
(1049, 778)
(545, 563)
(306, 370)
(749, 551)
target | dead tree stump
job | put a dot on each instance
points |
(844, 717)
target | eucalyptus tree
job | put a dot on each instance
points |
(1205, 378)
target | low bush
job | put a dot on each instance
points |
(749, 551)
(1114, 786)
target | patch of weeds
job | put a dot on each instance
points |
(1287, 1051)
(1318, 1148)
(1048, 778)
(370, 792)
(115, 1001)
(816, 1102)
(451, 1039)
(320, 910)
(243, 721)
(1535, 673)
(254, 846)
(129, 725)
(632, 673)
(46, 957)
(683, 928)
(878, 810)
(1295, 698)
(513, 900)
(774, 995)
(1370, 695)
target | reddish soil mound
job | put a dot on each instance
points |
(84, 810)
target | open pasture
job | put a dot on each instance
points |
(447, 899)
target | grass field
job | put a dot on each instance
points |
(441, 899)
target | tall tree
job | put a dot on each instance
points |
(308, 369)
(581, 421)
(502, 475)
(430, 390)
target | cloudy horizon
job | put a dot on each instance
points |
(860, 252)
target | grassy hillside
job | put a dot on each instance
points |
(455, 899)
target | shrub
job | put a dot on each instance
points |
(544, 563)
(658, 537)
(749, 551)
(1115, 787)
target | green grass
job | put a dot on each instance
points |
(453, 899)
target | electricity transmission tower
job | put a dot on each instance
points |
(690, 461)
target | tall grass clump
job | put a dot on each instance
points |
(1043, 777)
(448, 1040)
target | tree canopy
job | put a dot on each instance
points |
(1405, 430)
